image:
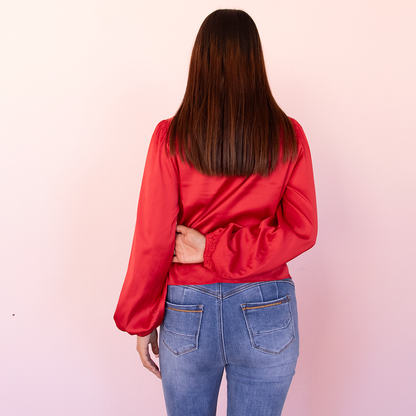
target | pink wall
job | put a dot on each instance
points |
(83, 84)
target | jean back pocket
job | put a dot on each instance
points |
(181, 326)
(269, 324)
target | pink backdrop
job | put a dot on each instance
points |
(83, 84)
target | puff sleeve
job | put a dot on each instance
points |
(240, 252)
(140, 308)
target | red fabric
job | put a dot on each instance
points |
(253, 226)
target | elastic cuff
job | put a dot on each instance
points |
(210, 244)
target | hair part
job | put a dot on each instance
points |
(229, 124)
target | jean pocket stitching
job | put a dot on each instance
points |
(184, 310)
(253, 333)
(178, 333)
(192, 338)
(277, 352)
(178, 354)
(275, 303)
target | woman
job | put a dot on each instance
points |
(235, 173)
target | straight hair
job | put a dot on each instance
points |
(229, 124)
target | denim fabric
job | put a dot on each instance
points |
(250, 329)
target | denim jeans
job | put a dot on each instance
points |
(250, 329)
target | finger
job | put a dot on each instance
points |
(181, 229)
(152, 367)
(148, 363)
(155, 348)
(154, 342)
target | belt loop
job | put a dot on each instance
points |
(175, 294)
(269, 291)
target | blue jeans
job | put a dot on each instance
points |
(250, 329)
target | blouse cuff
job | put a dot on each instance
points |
(210, 244)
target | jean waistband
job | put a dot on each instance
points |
(223, 290)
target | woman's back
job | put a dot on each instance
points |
(217, 205)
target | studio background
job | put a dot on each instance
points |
(83, 84)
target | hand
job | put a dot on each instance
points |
(189, 246)
(143, 350)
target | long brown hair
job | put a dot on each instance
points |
(229, 124)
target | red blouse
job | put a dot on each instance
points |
(253, 227)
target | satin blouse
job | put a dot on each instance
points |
(253, 227)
